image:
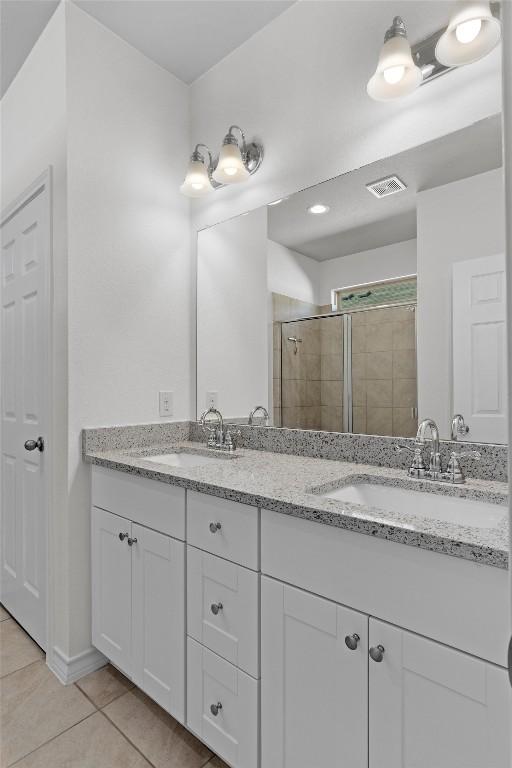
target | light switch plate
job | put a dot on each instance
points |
(212, 399)
(165, 403)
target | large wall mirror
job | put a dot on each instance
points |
(367, 302)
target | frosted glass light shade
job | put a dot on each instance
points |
(471, 34)
(197, 182)
(396, 74)
(230, 168)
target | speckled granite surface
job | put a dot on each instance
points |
(289, 484)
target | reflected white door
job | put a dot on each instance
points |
(480, 347)
(25, 257)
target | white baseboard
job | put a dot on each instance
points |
(71, 668)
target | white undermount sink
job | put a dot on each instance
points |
(448, 509)
(181, 459)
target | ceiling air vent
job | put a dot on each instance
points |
(385, 187)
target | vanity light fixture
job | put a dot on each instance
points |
(318, 208)
(197, 181)
(473, 31)
(471, 34)
(236, 162)
(397, 74)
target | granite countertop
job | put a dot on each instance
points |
(291, 485)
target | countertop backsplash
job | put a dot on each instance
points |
(363, 449)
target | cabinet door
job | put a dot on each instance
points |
(313, 687)
(431, 705)
(159, 618)
(111, 587)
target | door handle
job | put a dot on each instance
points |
(31, 445)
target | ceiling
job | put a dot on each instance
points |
(186, 37)
(358, 221)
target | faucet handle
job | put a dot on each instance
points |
(476, 455)
(454, 473)
(417, 468)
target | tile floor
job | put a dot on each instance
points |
(102, 721)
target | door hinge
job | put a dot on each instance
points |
(510, 661)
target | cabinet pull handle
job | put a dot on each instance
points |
(216, 607)
(352, 641)
(214, 527)
(123, 536)
(377, 653)
(215, 708)
(131, 541)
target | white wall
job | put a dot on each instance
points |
(456, 222)
(130, 278)
(383, 263)
(232, 317)
(291, 273)
(299, 84)
(33, 121)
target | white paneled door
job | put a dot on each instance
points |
(480, 347)
(25, 343)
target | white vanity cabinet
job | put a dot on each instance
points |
(398, 700)
(138, 587)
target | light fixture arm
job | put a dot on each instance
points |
(230, 135)
(197, 155)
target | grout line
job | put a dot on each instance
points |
(23, 757)
(130, 742)
(14, 671)
(86, 696)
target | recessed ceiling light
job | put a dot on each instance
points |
(276, 202)
(318, 208)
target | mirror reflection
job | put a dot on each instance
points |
(367, 302)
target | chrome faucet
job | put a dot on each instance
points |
(255, 410)
(219, 437)
(435, 468)
(453, 473)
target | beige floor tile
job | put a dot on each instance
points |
(17, 649)
(159, 737)
(104, 685)
(35, 707)
(93, 743)
(216, 762)
(3, 614)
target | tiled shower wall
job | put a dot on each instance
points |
(384, 386)
(312, 378)
(308, 386)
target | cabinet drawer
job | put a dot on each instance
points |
(223, 608)
(233, 732)
(225, 528)
(148, 502)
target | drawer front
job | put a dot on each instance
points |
(223, 608)
(148, 502)
(225, 528)
(231, 730)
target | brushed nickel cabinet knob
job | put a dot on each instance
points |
(377, 653)
(214, 527)
(131, 541)
(215, 708)
(352, 641)
(216, 607)
(123, 536)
